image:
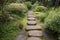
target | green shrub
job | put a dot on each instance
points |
(34, 5)
(8, 31)
(41, 16)
(4, 17)
(28, 4)
(53, 21)
(18, 9)
(10, 1)
(40, 9)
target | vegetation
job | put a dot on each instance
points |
(13, 14)
(28, 4)
(53, 22)
(49, 14)
(40, 9)
(40, 16)
(12, 17)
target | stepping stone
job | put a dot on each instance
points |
(34, 38)
(31, 19)
(29, 16)
(35, 33)
(30, 13)
(34, 28)
(31, 23)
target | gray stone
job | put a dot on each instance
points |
(34, 38)
(29, 16)
(31, 19)
(34, 28)
(31, 23)
(30, 12)
(35, 33)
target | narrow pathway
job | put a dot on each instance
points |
(33, 29)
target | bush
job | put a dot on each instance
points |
(34, 5)
(18, 9)
(40, 9)
(41, 16)
(28, 4)
(53, 21)
(8, 31)
(10, 1)
(4, 17)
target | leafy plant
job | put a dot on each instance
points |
(53, 21)
(28, 4)
(41, 16)
(35, 4)
(40, 9)
(18, 9)
(8, 31)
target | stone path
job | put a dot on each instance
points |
(33, 30)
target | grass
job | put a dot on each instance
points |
(11, 29)
(24, 22)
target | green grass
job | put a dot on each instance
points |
(24, 22)
(10, 30)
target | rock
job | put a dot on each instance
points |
(31, 23)
(30, 13)
(34, 38)
(33, 28)
(31, 16)
(35, 33)
(31, 19)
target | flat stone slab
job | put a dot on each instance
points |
(35, 33)
(34, 38)
(31, 19)
(31, 23)
(34, 27)
(30, 13)
(29, 16)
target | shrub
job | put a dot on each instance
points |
(53, 21)
(41, 16)
(34, 5)
(10, 1)
(28, 4)
(18, 9)
(8, 31)
(40, 9)
(4, 17)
